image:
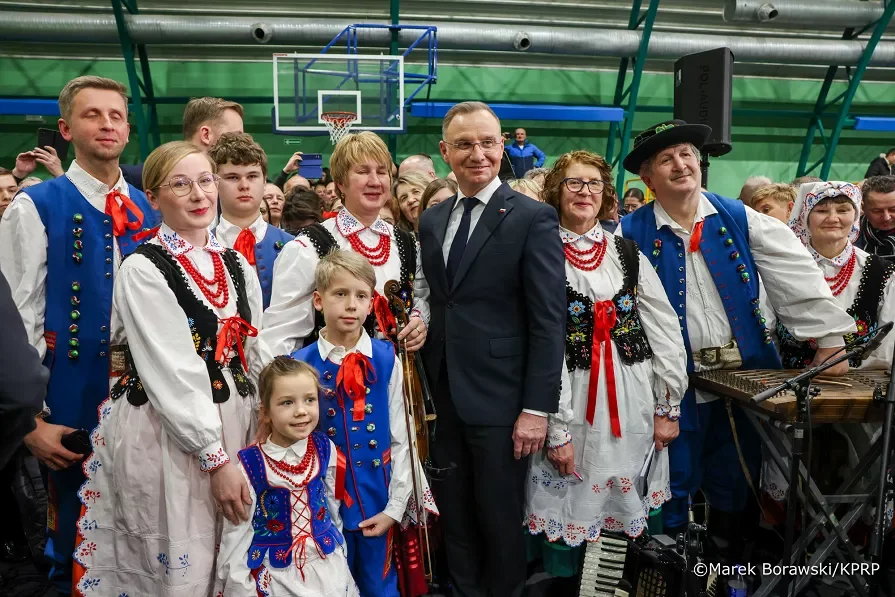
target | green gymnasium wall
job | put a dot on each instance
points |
(767, 136)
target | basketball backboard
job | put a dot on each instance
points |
(308, 85)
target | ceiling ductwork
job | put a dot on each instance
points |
(183, 30)
(804, 13)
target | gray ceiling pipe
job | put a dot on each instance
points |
(804, 13)
(180, 30)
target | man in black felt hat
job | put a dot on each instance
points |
(709, 252)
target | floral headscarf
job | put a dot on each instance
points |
(812, 193)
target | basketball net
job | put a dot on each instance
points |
(338, 124)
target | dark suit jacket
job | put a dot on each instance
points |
(23, 379)
(501, 327)
(133, 174)
(878, 167)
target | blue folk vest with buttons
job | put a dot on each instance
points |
(366, 444)
(79, 283)
(272, 518)
(725, 248)
(266, 253)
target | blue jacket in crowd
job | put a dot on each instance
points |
(523, 158)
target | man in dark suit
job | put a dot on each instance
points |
(494, 263)
(23, 379)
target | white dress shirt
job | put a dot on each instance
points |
(797, 292)
(23, 249)
(227, 233)
(290, 317)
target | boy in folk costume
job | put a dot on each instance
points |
(362, 412)
(709, 252)
(242, 167)
(61, 243)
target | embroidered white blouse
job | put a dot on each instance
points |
(796, 290)
(175, 376)
(290, 317)
(23, 249)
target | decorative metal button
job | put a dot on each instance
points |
(681, 281)
(77, 232)
(74, 342)
(77, 256)
(106, 222)
(278, 245)
(371, 427)
(357, 446)
(108, 274)
(741, 267)
(108, 260)
(329, 393)
(763, 321)
(655, 252)
(680, 269)
(745, 276)
(103, 341)
(367, 390)
(734, 255)
(368, 408)
(102, 354)
(76, 286)
(108, 248)
(73, 354)
(107, 236)
(359, 463)
(722, 230)
(728, 242)
(331, 412)
(679, 244)
(73, 328)
(376, 463)
(680, 254)
(756, 311)
(78, 218)
(681, 306)
(103, 328)
(373, 444)
(75, 315)
(331, 432)
(328, 375)
(75, 301)
(78, 245)
(680, 293)
(355, 429)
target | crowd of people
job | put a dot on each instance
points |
(211, 360)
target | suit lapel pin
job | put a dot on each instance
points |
(502, 210)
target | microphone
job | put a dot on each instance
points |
(871, 342)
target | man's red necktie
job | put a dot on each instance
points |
(245, 244)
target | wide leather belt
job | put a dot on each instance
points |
(719, 357)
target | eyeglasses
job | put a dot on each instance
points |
(468, 146)
(182, 186)
(575, 185)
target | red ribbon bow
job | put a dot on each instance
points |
(245, 244)
(118, 213)
(341, 467)
(356, 369)
(384, 316)
(601, 347)
(232, 330)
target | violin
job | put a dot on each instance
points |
(419, 413)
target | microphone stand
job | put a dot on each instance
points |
(801, 386)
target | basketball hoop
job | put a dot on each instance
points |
(338, 124)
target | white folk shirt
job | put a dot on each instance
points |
(400, 486)
(484, 196)
(881, 358)
(227, 233)
(796, 291)
(23, 249)
(290, 317)
(323, 576)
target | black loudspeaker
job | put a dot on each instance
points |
(703, 86)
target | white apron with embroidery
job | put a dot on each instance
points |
(151, 528)
(572, 510)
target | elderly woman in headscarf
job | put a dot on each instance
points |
(826, 218)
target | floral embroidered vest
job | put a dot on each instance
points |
(627, 334)
(324, 243)
(272, 518)
(796, 354)
(203, 323)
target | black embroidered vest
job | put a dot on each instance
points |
(865, 309)
(203, 323)
(324, 242)
(627, 334)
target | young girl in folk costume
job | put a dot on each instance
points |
(826, 218)
(293, 544)
(625, 359)
(363, 413)
(182, 398)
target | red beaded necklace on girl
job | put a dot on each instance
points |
(840, 280)
(288, 471)
(585, 259)
(377, 255)
(219, 297)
